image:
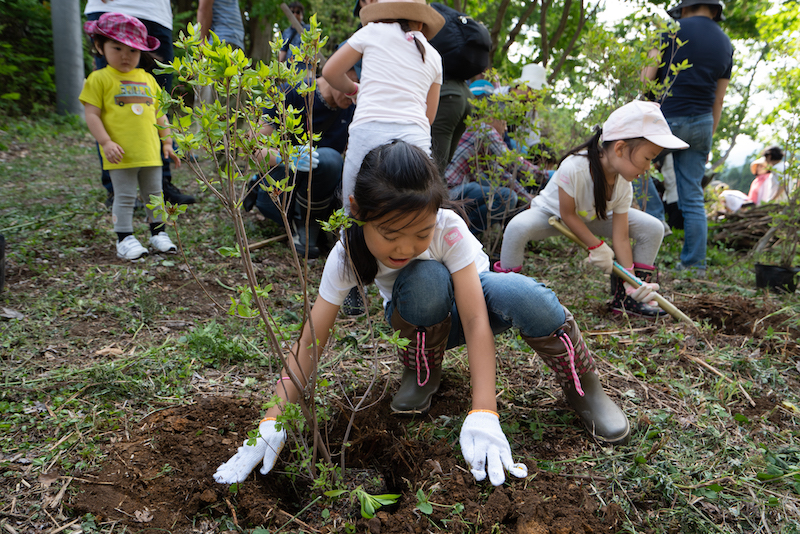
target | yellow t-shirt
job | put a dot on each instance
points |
(128, 111)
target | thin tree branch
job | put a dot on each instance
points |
(561, 25)
(741, 110)
(498, 24)
(571, 45)
(512, 35)
(544, 55)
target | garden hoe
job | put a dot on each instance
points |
(620, 271)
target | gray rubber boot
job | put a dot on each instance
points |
(604, 420)
(422, 359)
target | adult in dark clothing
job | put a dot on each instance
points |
(290, 35)
(693, 108)
(332, 114)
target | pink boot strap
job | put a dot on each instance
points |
(571, 351)
(421, 350)
(498, 268)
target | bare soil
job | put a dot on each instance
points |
(157, 472)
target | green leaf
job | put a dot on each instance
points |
(334, 493)
(367, 509)
(425, 507)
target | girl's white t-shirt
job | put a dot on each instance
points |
(574, 177)
(453, 246)
(158, 11)
(394, 80)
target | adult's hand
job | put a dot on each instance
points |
(602, 257)
(268, 445)
(303, 161)
(486, 449)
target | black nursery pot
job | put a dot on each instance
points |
(776, 277)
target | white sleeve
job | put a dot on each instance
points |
(336, 281)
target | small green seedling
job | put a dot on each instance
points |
(369, 503)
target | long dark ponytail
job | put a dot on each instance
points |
(594, 151)
(406, 28)
(395, 178)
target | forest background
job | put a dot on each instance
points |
(592, 50)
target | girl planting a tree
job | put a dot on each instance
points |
(439, 293)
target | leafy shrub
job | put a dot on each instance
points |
(27, 72)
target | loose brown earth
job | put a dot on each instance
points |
(134, 488)
(157, 472)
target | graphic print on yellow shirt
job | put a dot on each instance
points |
(128, 111)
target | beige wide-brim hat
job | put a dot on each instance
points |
(756, 163)
(416, 10)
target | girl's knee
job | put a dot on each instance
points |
(423, 292)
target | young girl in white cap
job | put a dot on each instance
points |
(401, 75)
(587, 193)
(121, 114)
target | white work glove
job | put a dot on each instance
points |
(241, 464)
(602, 257)
(302, 161)
(642, 293)
(486, 449)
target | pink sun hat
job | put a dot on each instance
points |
(124, 29)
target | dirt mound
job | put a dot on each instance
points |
(160, 477)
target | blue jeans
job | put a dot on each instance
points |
(654, 206)
(423, 295)
(690, 166)
(326, 181)
(476, 195)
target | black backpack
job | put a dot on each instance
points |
(463, 43)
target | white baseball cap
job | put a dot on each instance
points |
(641, 119)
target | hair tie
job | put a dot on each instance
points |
(409, 37)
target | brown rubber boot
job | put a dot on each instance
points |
(422, 359)
(565, 352)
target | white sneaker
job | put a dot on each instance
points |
(130, 249)
(162, 243)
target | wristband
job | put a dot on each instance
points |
(284, 378)
(596, 246)
(484, 411)
(355, 91)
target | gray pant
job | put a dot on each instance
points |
(125, 182)
(531, 225)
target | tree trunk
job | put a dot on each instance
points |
(260, 36)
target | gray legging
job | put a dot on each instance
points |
(125, 183)
(531, 225)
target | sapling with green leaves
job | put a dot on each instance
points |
(228, 129)
(369, 503)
